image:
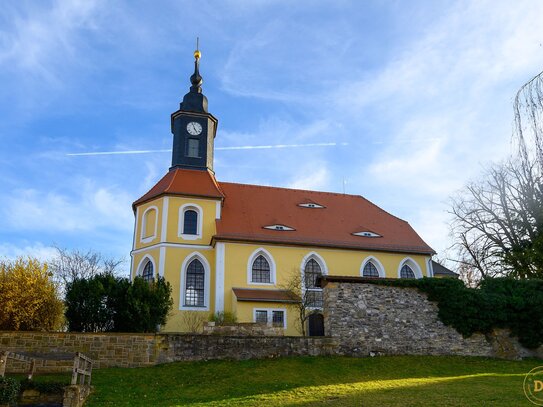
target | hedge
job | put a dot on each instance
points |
(498, 303)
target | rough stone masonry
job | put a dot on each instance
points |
(369, 319)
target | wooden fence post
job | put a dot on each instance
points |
(3, 362)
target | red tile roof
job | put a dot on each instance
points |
(248, 208)
(184, 182)
(263, 295)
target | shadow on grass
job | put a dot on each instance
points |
(307, 381)
(442, 391)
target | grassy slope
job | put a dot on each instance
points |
(334, 381)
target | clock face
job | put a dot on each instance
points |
(194, 128)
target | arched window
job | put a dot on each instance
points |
(312, 292)
(407, 272)
(260, 271)
(195, 285)
(370, 270)
(190, 222)
(312, 271)
(147, 273)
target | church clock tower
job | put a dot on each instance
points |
(193, 127)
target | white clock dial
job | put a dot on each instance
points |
(194, 128)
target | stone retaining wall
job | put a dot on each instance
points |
(137, 350)
(361, 319)
(242, 329)
(373, 319)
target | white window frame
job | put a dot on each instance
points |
(199, 227)
(142, 263)
(378, 265)
(270, 315)
(207, 282)
(411, 263)
(429, 268)
(143, 238)
(320, 261)
(267, 255)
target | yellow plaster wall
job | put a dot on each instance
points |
(180, 321)
(244, 312)
(208, 226)
(154, 253)
(288, 261)
(138, 243)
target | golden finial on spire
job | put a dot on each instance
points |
(197, 53)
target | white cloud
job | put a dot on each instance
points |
(88, 209)
(454, 88)
(42, 39)
(36, 249)
(313, 177)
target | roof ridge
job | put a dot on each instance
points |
(382, 210)
(215, 182)
(290, 189)
(317, 192)
(171, 180)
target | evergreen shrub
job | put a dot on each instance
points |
(106, 303)
(9, 390)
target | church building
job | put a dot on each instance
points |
(235, 247)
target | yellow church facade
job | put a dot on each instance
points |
(236, 247)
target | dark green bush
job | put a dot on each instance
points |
(9, 390)
(105, 303)
(498, 303)
(44, 387)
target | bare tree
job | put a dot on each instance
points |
(528, 135)
(193, 321)
(306, 300)
(69, 265)
(498, 221)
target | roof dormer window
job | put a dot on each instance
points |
(310, 205)
(279, 227)
(366, 234)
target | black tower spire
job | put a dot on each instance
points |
(195, 101)
(193, 128)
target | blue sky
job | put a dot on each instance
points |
(417, 95)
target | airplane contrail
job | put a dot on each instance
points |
(264, 147)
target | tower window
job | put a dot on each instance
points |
(190, 222)
(193, 147)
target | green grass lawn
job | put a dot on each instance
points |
(308, 381)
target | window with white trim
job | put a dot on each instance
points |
(260, 271)
(407, 272)
(313, 293)
(261, 316)
(147, 273)
(272, 317)
(195, 284)
(190, 222)
(370, 270)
